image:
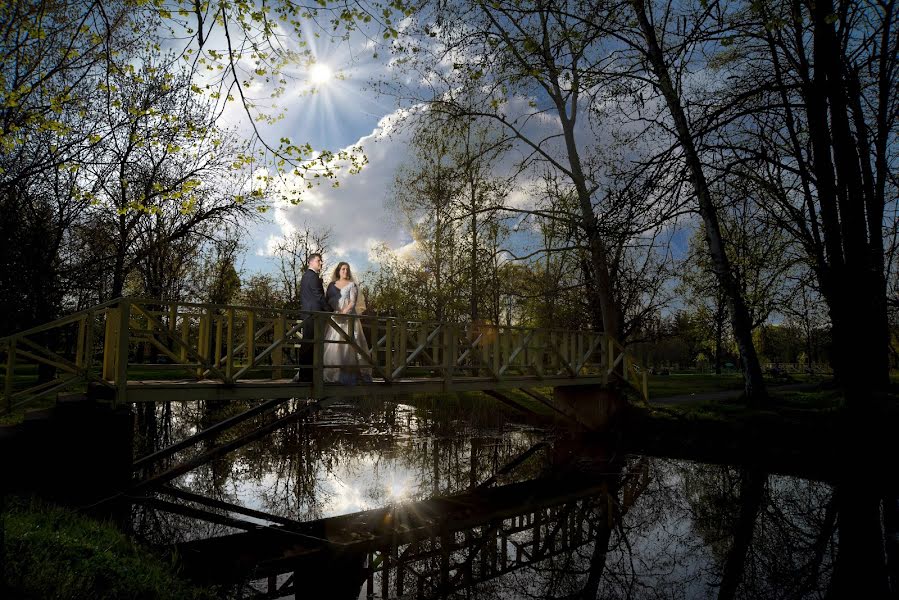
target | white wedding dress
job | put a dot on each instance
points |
(343, 364)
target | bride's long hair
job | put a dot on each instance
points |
(336, 275)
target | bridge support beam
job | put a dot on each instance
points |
(592, 406)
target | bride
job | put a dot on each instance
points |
(342, 361)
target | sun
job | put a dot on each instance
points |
(320, 74)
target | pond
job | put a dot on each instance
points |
(391, 499)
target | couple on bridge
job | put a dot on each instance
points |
(342, 361)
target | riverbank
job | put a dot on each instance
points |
(805, 428)
(53, 552)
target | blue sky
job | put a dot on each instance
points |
(341, 112)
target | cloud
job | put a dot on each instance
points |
(355, 211)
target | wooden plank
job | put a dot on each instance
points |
(192, 390)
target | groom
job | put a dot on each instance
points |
(312, 299)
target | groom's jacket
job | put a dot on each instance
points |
(312, 292)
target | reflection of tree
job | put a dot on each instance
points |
(286, 473)
(694, 530)
(769, 536)
(861, 561)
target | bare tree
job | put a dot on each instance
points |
(293, 257)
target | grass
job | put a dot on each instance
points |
(789, 405)
(676, 384)
(50, 552)
(679, 384)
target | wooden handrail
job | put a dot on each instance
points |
(228, 343)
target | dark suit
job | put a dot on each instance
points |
(312, 299)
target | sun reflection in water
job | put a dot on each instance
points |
(399, 489)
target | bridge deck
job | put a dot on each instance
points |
(253, 389)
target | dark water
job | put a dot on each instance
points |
(565, 518)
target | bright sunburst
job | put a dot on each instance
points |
(320, 74)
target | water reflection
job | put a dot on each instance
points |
(561, 519)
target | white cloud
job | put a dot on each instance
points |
(355, 211)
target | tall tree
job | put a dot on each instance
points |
(818, 82)
(532, 69)
(293, 255)
(659, 58)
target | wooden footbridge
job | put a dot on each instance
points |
(142, 350)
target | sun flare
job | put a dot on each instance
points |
(320, 74)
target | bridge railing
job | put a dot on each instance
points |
(53, 357)
(145, 339)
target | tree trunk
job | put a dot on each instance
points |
(852, 279)
(118, 273)
(474, 256)
(756, 394)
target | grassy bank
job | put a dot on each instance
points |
(50, 552)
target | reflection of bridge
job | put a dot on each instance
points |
(425, 548)
(135, 350)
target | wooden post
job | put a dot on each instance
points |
(88, 359)
(422, 339)
(526, 357)
(203, 340)
(497, 352)
(173, 316)
(562, 346)
(121, 378)
(403, 355)
(109, 343)
(446, 363)
(611, 359)
(79, 344)
(454, 348)
(229, 345)
(185, 336)
(373, 341)
(507, 349)
(645, 385)
(219, 326)
(278, 353)
(581, 347)
(318, 356)
(388, 347)
(251, 338)
(606, 362)
(437, 346)
(10, 371)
